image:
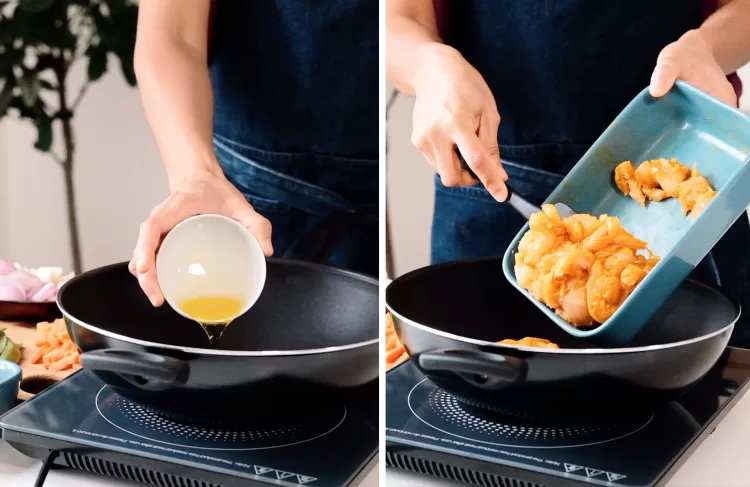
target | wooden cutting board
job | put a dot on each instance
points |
(34, 376)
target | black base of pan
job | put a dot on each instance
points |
(312, 332)
(451, 316)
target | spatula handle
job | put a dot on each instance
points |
(524, 207)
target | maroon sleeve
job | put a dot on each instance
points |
(441, 15)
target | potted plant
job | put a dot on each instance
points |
(40, 40)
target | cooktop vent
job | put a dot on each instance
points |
(446, 471)
(128, 472)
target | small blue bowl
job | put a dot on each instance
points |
(10, 380)
(686, 124)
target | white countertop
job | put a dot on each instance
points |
(17, 470)
(722, 460)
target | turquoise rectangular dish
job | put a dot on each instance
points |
(686, 124)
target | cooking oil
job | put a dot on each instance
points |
(213, 313)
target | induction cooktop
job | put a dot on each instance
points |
(429, 431)
(83, 423)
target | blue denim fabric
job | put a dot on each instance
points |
(561, 70)
(297, 75)
(296, 116)
(297, 191)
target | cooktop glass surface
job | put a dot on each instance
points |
(636, 450)
(309, 444)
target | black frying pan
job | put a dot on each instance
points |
(314, 330)
(450, 316)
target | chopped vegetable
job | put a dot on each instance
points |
(11, 290)
(395, 353)
(55, 350)
(30, 285)
(9, 350)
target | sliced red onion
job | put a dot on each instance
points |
(47, 293)
(11, 290)
(6, 267)
(31, 284)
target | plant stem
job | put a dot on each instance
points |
(67, 166)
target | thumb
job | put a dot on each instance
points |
(258, 225)
(662, 79)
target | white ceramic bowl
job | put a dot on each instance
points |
(210, 255)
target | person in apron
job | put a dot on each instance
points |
(536, 83)
(266, 112)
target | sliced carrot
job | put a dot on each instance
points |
(63, 363)
(36, 357)
(55, 350)
(395, 353)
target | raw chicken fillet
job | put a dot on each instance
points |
(581, 266)
(660, 179)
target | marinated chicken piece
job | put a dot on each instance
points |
(581, 266)
(660, 179)
(695, 194)
(626, 182)
(530, 342)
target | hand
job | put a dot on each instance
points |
(202, 193)
(691, 59)
(455, 108)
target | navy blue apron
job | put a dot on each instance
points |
(296, 116)
(561, 71)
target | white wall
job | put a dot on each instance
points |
(118, 175)
(409, 190)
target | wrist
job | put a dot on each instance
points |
(701, 37)
(187, 171)
(430, 55)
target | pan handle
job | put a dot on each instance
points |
(145, 371)
(518, 202)
(482, 370)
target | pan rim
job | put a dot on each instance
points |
(560, 351)
(208, 351)
(564, 351)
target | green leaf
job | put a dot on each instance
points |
(115, 6)
(97, 62)
(45, 61)
(44, 134)
(6, 95)
(49, 27)
(6, 64)
(128, 71)
(46, 84)
(30, 89)
(35, 6)
(9, 59)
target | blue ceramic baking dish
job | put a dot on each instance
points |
(10, 379)
(686, 124)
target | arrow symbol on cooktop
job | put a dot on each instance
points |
(280, 474)
(611, 476)
(303, 479)
(569, 467)
(261, 470)
(590, 472)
